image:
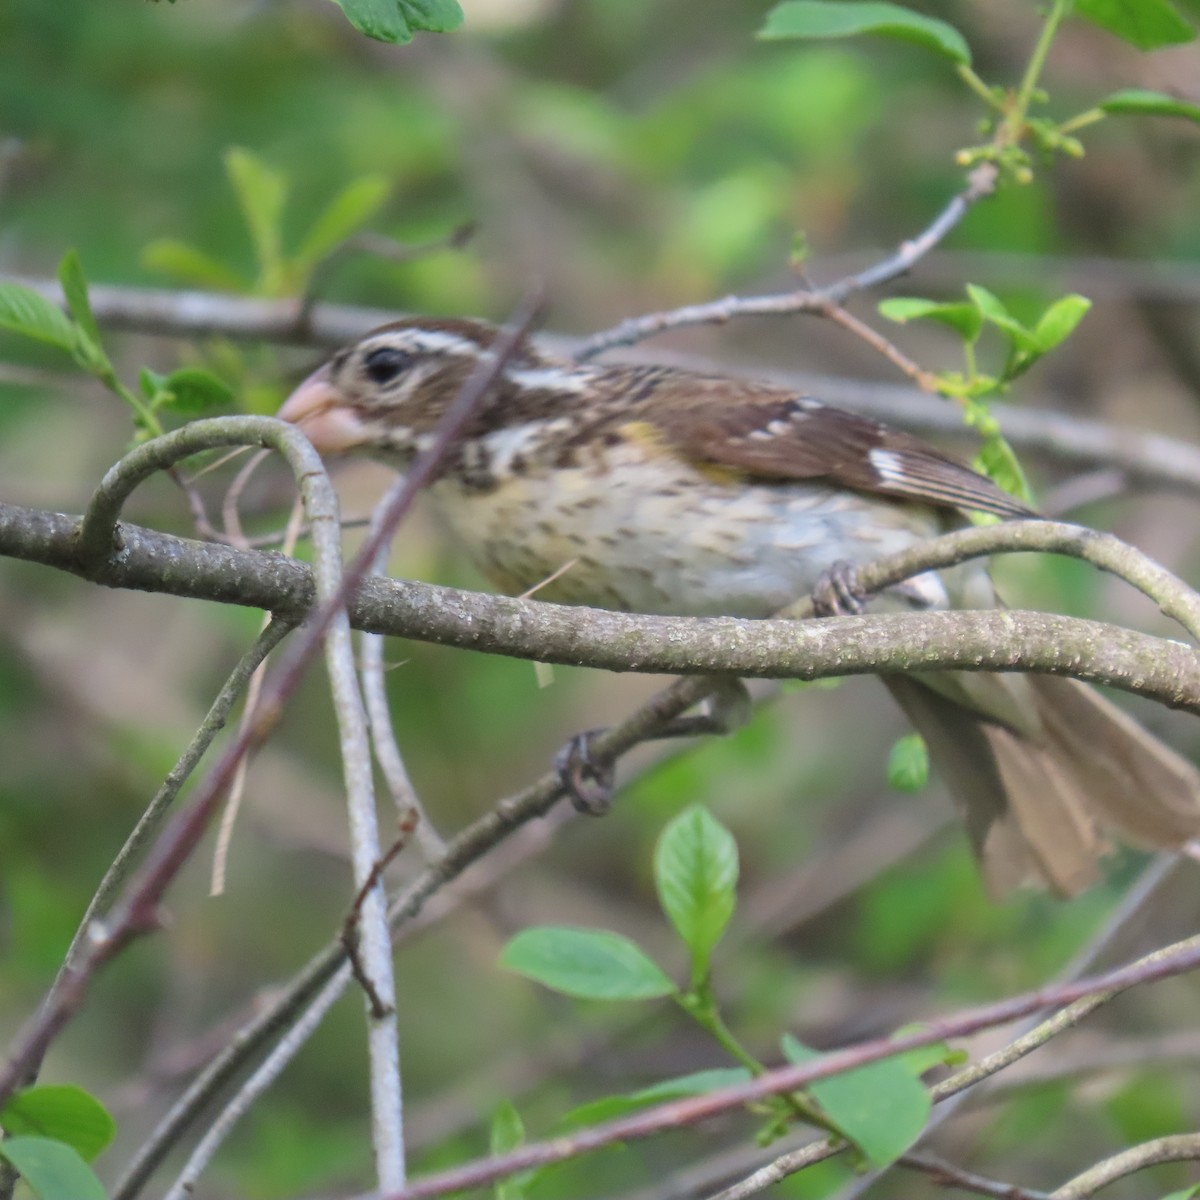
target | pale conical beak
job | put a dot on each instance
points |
(318, 408)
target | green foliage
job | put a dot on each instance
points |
(828, 19)
(881, 1107)
(63, 1112)
(587, 963)
(696, 870)
(1146, 24)
(1024, 344)
(1140, 102)
(698, 1083)
(52, 1169)
(398, 20)
(30, 314)
(344, 216)
(188, 391)
(25, 312)
(665, 168)
(508, 1134)
(1148, 1106)
(262, 193)
(908, 763)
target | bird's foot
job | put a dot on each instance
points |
(588, 783)
(838, 592)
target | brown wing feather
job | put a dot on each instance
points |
(775, 435)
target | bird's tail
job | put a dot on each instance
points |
(1040, 800)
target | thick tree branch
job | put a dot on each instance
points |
(1004, 641)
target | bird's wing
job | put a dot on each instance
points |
(772, 434)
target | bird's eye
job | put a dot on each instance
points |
(384, 364)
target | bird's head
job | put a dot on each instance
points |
(384, 394)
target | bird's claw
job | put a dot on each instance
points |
(838, 592)
(588, 783)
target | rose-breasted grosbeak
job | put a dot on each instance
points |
(670, 491)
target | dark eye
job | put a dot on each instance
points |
(384, 364)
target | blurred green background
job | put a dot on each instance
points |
(628, 156)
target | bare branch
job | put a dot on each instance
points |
(948, 1175)
(981, 183)
(1172, 960)
(350, 934)
(1179, 1147)
(274, 632)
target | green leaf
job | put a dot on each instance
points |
(1058, 322)
(696, 871)
(261, 192)
(908, 763)
(63, 1112)
(998, 461)
(27, 312)
(75, 289)
(992, 309)
(346, 213)
(1146, 24)
(508, 1133)
(53, 1170)
(398, 20)
(508, 1130)
(698, 1083)
(151, 384)
(592, 964)
(191, 265)
(962, 317)
(882, 1107)
(1141, 102)
(825, 19)
(194, 390)
(936, 1054)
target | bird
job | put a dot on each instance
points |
(656, 489)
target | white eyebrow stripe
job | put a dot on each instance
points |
(426, 339)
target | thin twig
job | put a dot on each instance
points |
(350, 936)
(1179, 1147)
(135, 912)
(981, 182)
(233, 802)
(272, 634)
(952, 1092)
(925, 380)
(379, 716)
(948, 1175)
(1170, 961)
(254, 1087)
(231, 517)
